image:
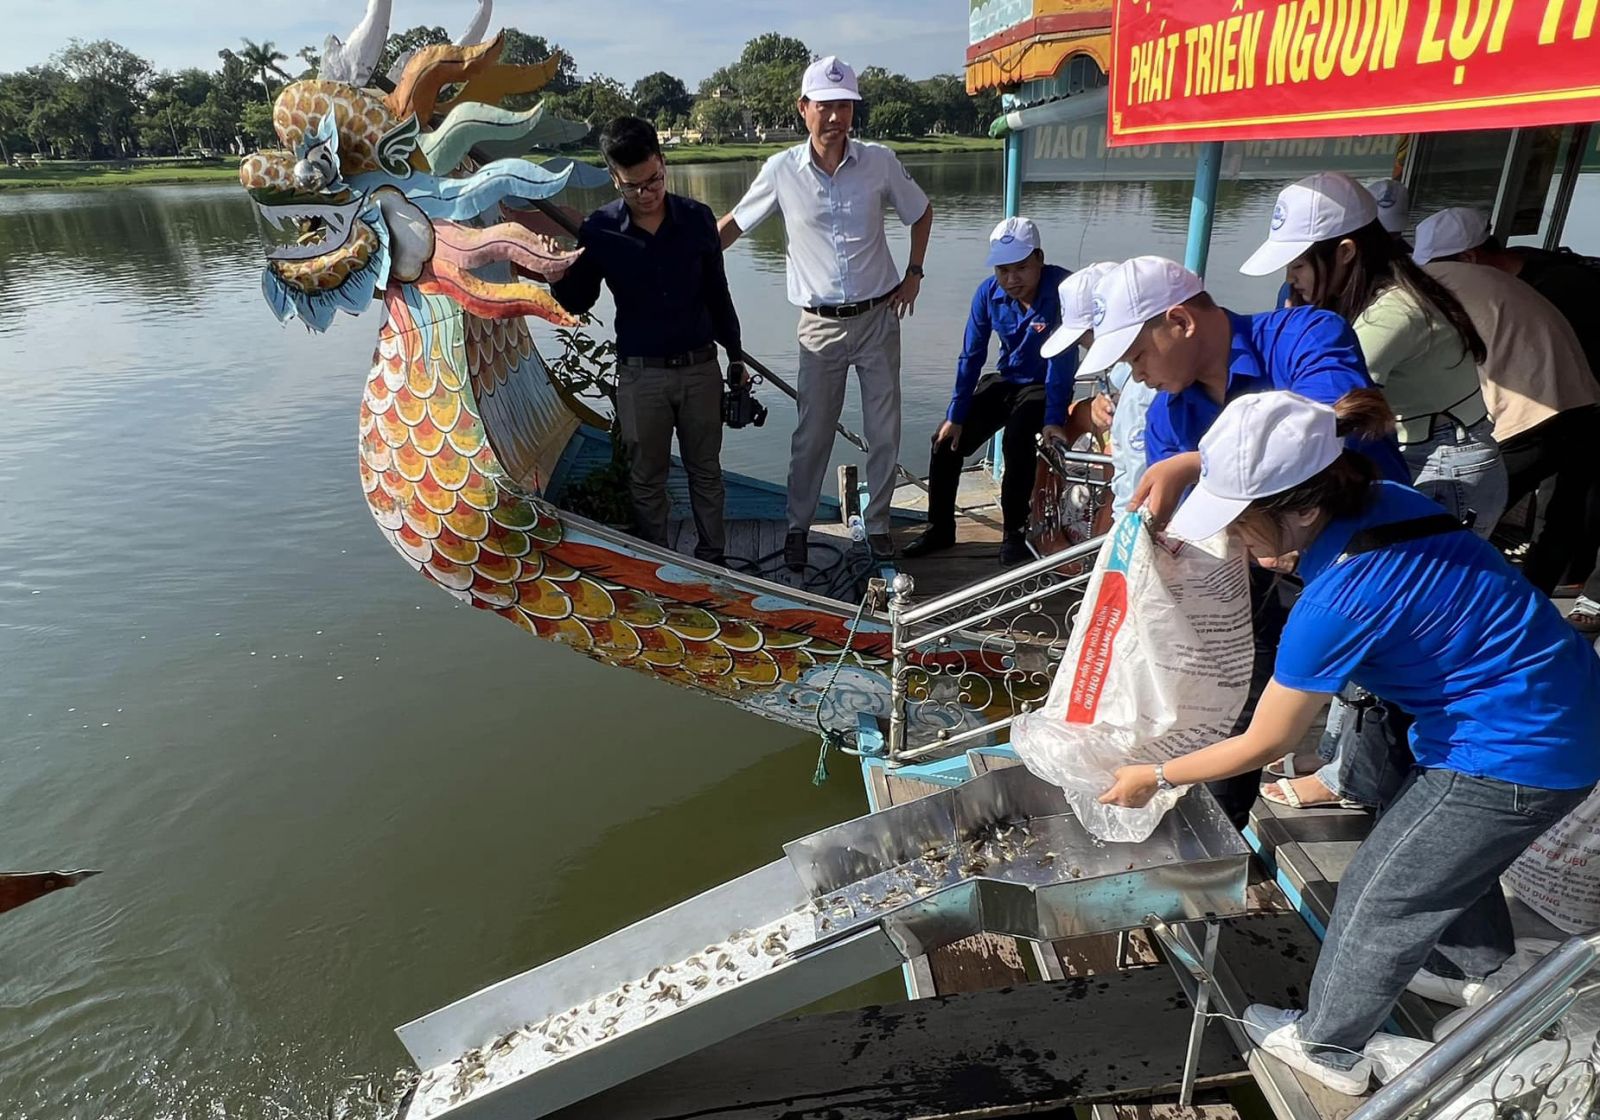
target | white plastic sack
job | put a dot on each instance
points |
(1158, 664)
(1559, 874)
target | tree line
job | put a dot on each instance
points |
(100, 100)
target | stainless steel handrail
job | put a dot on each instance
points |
(1498, 1030)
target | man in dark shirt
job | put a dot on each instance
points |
(660, 255)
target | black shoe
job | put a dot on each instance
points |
(1014, 550)
(796, 549)
(935, 538)
(881, 545)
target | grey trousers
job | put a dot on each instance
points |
(652, 403)
(828, 348)
(1424, 887)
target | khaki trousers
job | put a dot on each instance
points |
(828, 348)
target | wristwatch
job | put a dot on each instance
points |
(915, 270)
(1162, 785)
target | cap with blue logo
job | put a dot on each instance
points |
(1013, 240)
(1394, 203)
(1077, 307)
(1129, 296)
(829, 79)
(1319, 207)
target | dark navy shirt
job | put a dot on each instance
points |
(1302, 349)
(1022, 332)
(1500, 685)
(670, 287)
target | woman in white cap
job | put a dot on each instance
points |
(1419, 342)
(1399, 598)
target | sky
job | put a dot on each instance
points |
(623, 38)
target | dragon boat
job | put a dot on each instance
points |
(412, 192)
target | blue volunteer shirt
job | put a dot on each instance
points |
(1301, 349)
(1500, 685)
(1022, 332)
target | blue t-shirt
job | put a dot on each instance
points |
(1302, 349)
(1500, 684)
(1022, 332)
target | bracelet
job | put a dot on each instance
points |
(1162, 785)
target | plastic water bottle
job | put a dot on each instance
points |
(858, 528)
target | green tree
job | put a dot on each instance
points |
(313, 60)
(262, 59)
(110, 81)
(894, 118)
(60, 117)
(660, 96)
(596, 101)
(774, 48)
(717, 116)
(411, 39)
(255, 122)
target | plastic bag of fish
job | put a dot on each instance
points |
(1158, 664)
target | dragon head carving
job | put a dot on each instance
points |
(375, 187)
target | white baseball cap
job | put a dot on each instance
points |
(1129, 296)
(1262, 444)
(1450, 232)
(829, 79)
(1077, 307)
(1394, 204)
(1318, 207)
(1013, 240)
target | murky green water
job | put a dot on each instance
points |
(326, 798)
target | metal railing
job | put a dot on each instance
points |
(1514, 1058)
(967, 663)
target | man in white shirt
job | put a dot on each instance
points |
(833, 192)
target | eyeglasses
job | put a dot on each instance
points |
(634, 190)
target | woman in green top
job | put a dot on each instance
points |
(1423, 349)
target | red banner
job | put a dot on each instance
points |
(1188, 70)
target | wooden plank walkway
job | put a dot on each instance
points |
(1014, 1051)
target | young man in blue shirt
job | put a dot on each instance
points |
(1025, 392)
(660, 255)
(1156, 315)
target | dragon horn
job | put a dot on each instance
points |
(353, 61)
(480, 24)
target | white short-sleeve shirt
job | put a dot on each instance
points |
(837, 251)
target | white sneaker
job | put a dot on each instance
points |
(1457, 993)
(1277, 1031)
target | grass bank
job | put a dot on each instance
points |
(77, 178)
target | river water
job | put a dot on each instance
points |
(325, 797)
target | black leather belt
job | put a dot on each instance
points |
(674, 361)
(851, 310)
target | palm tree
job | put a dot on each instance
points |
(264, 58)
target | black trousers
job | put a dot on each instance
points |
(1565, 447)
(996, 404)
(1270, 600)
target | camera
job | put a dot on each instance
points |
(739, 405)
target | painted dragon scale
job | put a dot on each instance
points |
(424, 205)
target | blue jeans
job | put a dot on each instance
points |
(1424, 888)
(1462, 470)
(1365, 750)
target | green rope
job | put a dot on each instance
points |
(832, 737)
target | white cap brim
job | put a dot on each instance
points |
(1204, 514)
(1062, 338)
(1009, 254)
(1274, 256)
(1109, 347)
(1423, 256)
(833, 93)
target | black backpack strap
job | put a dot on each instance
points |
(1375, 537)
